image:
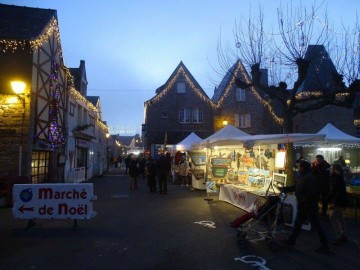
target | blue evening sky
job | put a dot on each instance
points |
(131, 47)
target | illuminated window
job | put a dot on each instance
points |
(180, 87)
(185, 115)
(240, 94)
(197, 115)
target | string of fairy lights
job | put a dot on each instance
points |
(53, 29)
(52, 137)
(13, 45)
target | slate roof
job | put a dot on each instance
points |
(224, 82)
(23, 23)
(181, 65)
(93, 99)
(321, 69)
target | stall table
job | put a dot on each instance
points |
(242, 197)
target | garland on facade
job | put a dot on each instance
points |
(171, 83)
(13, 45)
(53, 135)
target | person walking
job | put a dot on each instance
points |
(163, 167)
(142, 163)
(127, 163)
(306, 193)
(338, 203)
(183, 171)
(150, 171)
(133, 172)
(321, 172)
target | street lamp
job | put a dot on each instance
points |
(18, 88)
(225, 123)
(107, 151)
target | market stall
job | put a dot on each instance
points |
(196, 160)
(245, 167)
(335, 144)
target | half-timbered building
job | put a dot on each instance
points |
(31, 53)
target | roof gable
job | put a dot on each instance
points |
(227, 83)
(180, 70)
(321, 70)
(23, 23)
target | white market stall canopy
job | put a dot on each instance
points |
(186, 143)
(250, 140)
(228, 132)
(284, 138)
(336, 136)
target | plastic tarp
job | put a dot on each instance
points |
(186, 143)
(336, 136)
(227, 133)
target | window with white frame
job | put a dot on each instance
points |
(240, 94)
(245, 121)
(197, 114)
(184, 115)
(237, 120)
(180, 87)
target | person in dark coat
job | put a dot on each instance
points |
(338, 202)
(321, 172)
(142, 163)
(133, 172)
(127, 163)
(306, 193)
(163, 167)
(150, 169)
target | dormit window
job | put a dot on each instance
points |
(180, 87)
(240, 94)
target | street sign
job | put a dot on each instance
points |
(59, 201)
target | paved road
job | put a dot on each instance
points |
(142, 230)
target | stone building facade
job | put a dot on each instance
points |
(179, 107)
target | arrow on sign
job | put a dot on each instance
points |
(23, 208)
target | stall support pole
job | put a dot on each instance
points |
(208, 199)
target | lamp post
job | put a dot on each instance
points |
(18, 88)
(107, 151)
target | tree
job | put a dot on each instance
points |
(286, 55)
